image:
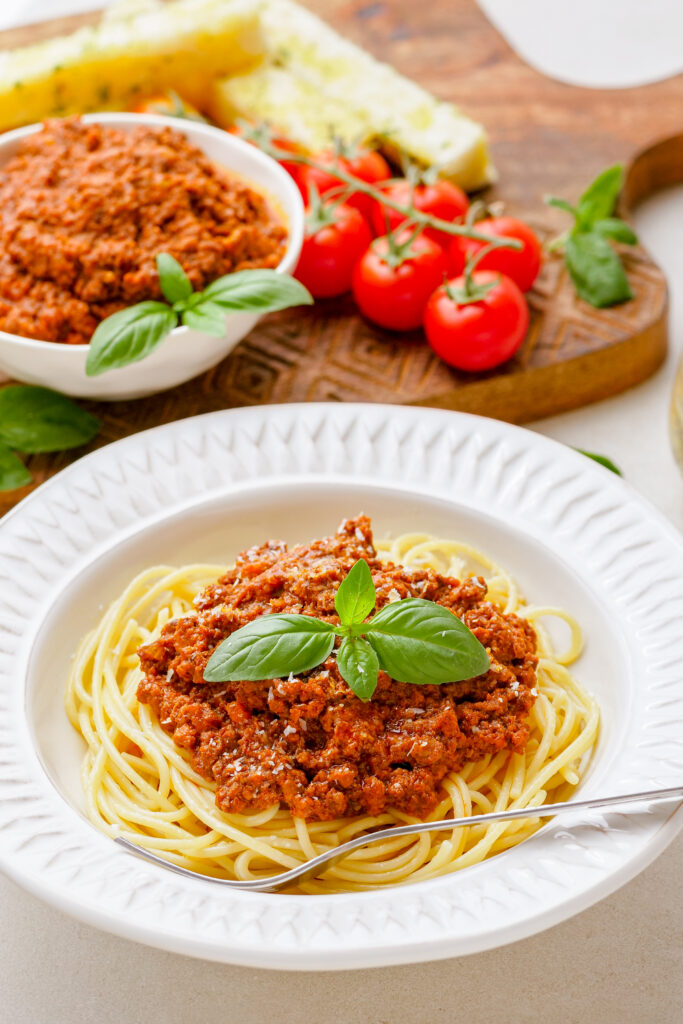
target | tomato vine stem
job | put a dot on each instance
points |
(357, 185)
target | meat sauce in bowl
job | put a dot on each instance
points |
(86, 207)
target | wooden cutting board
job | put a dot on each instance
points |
(547, 137)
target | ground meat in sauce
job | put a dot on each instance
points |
(308, 742)
(85, 209)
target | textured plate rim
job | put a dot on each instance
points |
(636, 561)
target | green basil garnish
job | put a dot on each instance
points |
(33, 420)
(131, 334)
(618, 230)
(603, 460)
(594, 266)
(419, 641)
(600, 197)
(355, 597)
(271, 646)
(358, 665)
(13, 472)
(207, 317)
(414, 641)
(257, 291)
(173, 281)
(596, 269)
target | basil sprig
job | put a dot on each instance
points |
(33, 420)
(414, 641)
(131, 334)
(594, 265)
(602, 460)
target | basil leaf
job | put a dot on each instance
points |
(196, 299)
(270, 647)
(358, 666)
(596, 269)
(34, 419)
(129, 335)
(600, 198)
(602, 459)
(174, 282)
(619, 230)
(262, 291)
(13, 472)
(355, 597)
(421, 642)
(207, 317)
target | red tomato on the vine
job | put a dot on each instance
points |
(522, 265)
(476, 323)
(394, 279)
(292, 168)
(336, 238)
(366, 164)
(441, 199)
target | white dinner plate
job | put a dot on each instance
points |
(201, 489)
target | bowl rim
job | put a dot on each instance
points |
(193, 129)
(626, 551)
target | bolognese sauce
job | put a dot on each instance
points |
(308, 742)
(86, 208)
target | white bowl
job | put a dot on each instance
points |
(202, 489)
(185, 353)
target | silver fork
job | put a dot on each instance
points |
(312, 868)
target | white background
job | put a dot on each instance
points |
(600, 43)
(620, 961)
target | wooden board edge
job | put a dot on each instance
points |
(594, 378)
(658, 166)
(40, 31)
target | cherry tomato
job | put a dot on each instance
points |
(441, 199)
(522, 265)
(366, 164)
(333, 244)
(395, 296)
(292, 168)
(477, 333)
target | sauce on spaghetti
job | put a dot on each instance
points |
(86, 208)
(307, 742)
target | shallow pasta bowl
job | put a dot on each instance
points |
(185, 353)
(202, 489)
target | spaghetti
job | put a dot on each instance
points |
(139, 784)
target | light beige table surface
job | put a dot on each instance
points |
(613, 964)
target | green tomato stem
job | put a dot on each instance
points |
(424, 219)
